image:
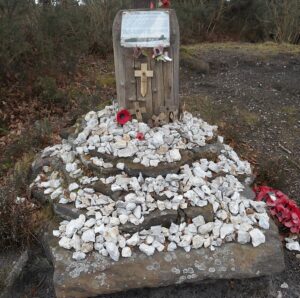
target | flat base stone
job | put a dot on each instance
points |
(98, 275)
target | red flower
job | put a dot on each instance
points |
(165, 3)
(140, 136)
(123, 117)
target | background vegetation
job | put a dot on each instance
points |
(44, 40)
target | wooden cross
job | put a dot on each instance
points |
(144, 73)
(138, 111)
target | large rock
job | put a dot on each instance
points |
(98, 275)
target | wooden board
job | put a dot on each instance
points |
(163, 88)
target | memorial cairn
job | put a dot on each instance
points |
(146, 194)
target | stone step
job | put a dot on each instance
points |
(98, 275)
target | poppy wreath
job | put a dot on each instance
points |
(123, 116)
(281, 207)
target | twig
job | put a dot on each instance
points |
(285, 149)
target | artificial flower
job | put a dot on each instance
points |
(123, 116)
(140, 136)
(165, 3)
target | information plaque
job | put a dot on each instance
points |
(145, 29)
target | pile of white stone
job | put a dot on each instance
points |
(236, 217)
(103, 134)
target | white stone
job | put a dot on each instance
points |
(78, 256)
(243, 237)
(65, 243)
(206, 228)
(90, 222)
(175, 155)
(171, 246)
(134, 240)
(147, 249)
(293, 246)
(138, 212)
(198, 241)
(198, 221)
(263, 220)
(56, 233)
(113, 251)
(260, 207)
(120, 166)
(157, 139)
(75, 225)
(257, 237)
(234, 207)
(126, 252)
(226, 230)
(123, 218)
(88, 236)
(222, 214)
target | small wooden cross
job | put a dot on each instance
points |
(138, 111)
(144, 74)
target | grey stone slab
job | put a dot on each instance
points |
(98, 275)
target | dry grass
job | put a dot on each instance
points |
(256, 49)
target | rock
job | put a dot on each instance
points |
(198, 221)
(128, 151)
(198, 241)
(75, 225)
(134, 240)
(97, 274)
(175, 155)
(88, 236)
(157, 139)
(243, 237)
(126, 252)
(164, 218)
(206, 228)
(113, 251)
(147, 249)
(79, 256)
(257, 237)
(65, 243)
(226, 230)
(293, 246)
(260, 207)
(120, 166)
(207, 212)
(171, 246)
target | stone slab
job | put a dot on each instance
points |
(98, 275)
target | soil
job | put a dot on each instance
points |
(253, 94)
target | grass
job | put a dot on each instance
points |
(256, 49)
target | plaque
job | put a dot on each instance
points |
(145, 29)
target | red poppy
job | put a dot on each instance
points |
(123, 117)
(165, 3)
(140, 136)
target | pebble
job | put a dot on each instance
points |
(147, 249)
(126, 252)
(293, 246)
(257, 237)
(112, 250)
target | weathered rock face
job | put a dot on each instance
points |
(100, 275)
